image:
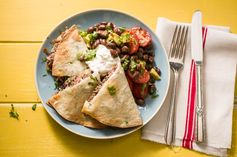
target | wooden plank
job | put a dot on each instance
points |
(28, 20)
(37, 134)
(17, 72)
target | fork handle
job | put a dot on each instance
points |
(199, 106)
(170, 125)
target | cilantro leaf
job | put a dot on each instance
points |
(34, 107)
(112, 90)
(44, 60)
(94, 82)
(13, 113)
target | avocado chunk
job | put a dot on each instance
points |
(154, 74)
(114, 37)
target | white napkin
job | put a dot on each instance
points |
(219, 70)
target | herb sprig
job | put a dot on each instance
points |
(94, 81)
(13, 113)
(34, 107)
(112, 90)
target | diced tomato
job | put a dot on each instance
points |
(139, 77)
(144, 38)
(140, 90)
(130, 83)
(134, 44)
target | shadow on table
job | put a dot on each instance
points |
(127, 146)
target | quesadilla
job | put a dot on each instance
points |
(112, 102)
(65, 50)
(68, 102)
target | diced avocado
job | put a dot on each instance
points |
(88, 38)
(143, 64)
(95, 35)
(117, 40)
(125, 64)
(125, 37)
(132, 65)
(83, 33)
(114, 37)
(154, 74)
(110, 38)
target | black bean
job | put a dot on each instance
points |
(104, 23)
(152, 89)
(149, 47)
(141, 50)
(110, 25)
(101, 27)
(103, 42)
(102, 33)
(90, 29)
(127, 44)
(145, 57)
(152, 80)
(46, 51)
(117, 31)
(97, 24)
(121, 56)
(96, 43)
(134, 57)
(118, 50)
(125, 49)
(139, 55)
(150, 52)
(158, 70)
(151, 59)
(111, 45)
(149, 66)
(140, 102)
(114, 53)
(125, 57)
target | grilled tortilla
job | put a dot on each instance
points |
(117, 110)
(65, 49)
(68, 103)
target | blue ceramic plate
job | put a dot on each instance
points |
(45, 84)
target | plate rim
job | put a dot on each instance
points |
(108, 10)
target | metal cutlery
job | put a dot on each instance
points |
(197, 56)
(176, 60)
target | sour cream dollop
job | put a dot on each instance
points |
(103, 62)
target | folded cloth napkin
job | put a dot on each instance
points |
(219, 70)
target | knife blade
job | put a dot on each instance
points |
(197, 56)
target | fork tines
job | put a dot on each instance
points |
(178, 47)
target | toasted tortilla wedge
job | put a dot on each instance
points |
(66, 48)
(118, 110)
(68, 103)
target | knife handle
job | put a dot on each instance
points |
(199, 106)
(169, 136)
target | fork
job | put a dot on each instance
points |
(176, 60)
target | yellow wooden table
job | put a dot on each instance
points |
(23, 26)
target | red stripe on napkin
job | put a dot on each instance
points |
(189, 133)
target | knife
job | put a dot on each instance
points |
(197, 56)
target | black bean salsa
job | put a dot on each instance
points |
(134, 47)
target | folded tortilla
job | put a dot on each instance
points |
(68, 103)
(66, 48)
(118, 110)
